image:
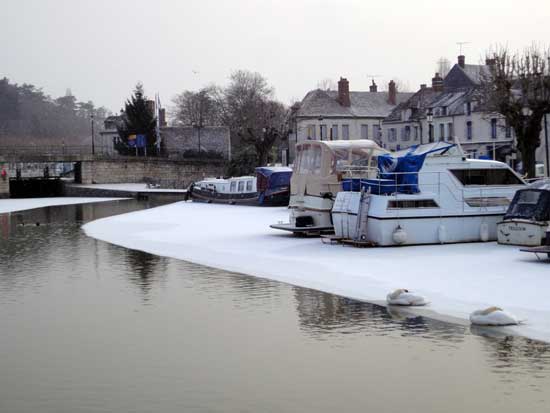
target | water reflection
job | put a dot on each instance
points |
(83, 322)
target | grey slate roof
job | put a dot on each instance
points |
(363, 104)
(417, 103)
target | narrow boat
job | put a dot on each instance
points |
(270, 187)
(528, 217)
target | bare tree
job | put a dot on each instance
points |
(198, 108)
(255, 119)
(326, 84)
(443, 65)
(517, 85)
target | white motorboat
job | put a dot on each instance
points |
(318, 177)
(528, 217)
(426, 195)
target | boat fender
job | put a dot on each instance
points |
(405, 297)
(493, 316)
(442, 234)
(399, 235)
(484, 232)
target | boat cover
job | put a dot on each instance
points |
(531, 204)
(403, 169)
(272, 179)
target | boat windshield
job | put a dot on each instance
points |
(532, 204)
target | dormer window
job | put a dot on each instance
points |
(468, 108)
(444, 111)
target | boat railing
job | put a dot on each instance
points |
(391, 183)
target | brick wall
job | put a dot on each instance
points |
(169, 173)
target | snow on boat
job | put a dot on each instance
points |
(528, 217)
(270, 187)
(426, 194)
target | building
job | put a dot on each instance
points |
(449, 111)
(341, 114)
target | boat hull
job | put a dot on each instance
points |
(521, 232)
(250, 198)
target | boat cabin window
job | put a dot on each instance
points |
(496, 177)
(530, 204)
(309, 160)
(412, 203)
(241, 186)
(248, 186)
(233, 186)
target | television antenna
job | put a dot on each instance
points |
(460, 44)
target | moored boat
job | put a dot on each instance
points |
(270, 187)
(528, 217)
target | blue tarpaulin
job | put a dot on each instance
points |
(272, 180)
(403, 169)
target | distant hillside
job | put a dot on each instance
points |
(29, 117)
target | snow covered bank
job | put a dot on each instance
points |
(129, 188)
(456, 279)
(20, 204)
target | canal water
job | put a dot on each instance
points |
(86, 326)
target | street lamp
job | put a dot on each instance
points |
(198, 126)
(93, 138)
(430, 118)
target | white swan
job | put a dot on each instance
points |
(493, 316)
(405, 297)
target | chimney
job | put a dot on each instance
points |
(437, 83)
(462, 61)
(392, 93)
(423, 86)
(343, 92)
(373, 87)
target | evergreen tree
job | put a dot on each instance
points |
(138, 119)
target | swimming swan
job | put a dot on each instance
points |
(493, 316)
(405, 297)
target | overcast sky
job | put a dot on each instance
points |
(100, 49)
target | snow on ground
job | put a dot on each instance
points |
(130, 188)
(20, 204)
(457, 279)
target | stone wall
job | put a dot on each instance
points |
(168, 173)
(181, 139)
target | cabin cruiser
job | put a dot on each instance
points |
(317, 178)
(423, 195)
(427, 194)
(528, 217)
(270, 187)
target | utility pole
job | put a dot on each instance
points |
(546, 146)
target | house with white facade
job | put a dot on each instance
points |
(449, 111)
(341, 114)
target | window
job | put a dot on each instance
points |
(416, 134)
(416, 203)
(376, 132)
(468, 108)
(444, 111)
(406, 133)
(450, 131)
(493, 176)
(309, 160)
(233, 186)
(441, 131)
(311, 132)
(323, 132)
(249, 186)
(364, 131)
(241, 186)
(508, 130)
(334, 132)
(494, 128)
(392, 134)
(345, 132)
(469, 130)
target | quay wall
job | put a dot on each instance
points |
(167, 173)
